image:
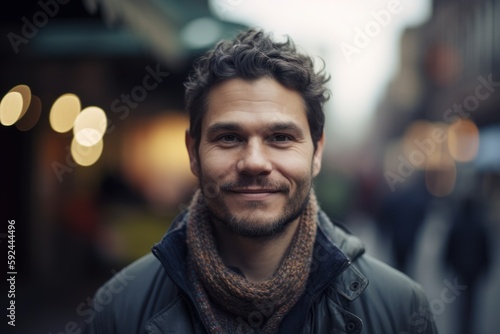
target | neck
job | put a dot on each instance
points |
(257, 259)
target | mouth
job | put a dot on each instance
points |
(254, 190)
(254, 193)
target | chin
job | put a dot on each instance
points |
(258, 225)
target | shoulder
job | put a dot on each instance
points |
(391, 301)
(364, 268)
(370, 293)
(133, 282)
(130, 298)
(387, 280)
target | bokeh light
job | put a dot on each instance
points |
(25, 92)
(64, 112)
(201, 32)
(86, 155)
(32, 115)
(90, 125)
(463, 141)
(441, 169)
(418, 133)
(11, 108)
(155, 159)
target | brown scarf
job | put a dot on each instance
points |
(229, 303)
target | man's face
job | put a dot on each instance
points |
(256, 159)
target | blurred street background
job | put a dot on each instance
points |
(411, 164)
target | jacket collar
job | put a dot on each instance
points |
(351, 282)
(334, 250)
(340, 236)
(172, 251)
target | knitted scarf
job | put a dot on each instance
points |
(229, 303)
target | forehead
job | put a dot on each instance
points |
(264, 98)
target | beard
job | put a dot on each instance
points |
(255, 223)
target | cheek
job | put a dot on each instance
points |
(298, 168)
(215, 168)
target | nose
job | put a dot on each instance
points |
(254, 160)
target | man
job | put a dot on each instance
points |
(254, 253)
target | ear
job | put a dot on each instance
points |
(318, 154)
(193, 156)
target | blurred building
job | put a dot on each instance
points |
(433, 136)
(448, 73)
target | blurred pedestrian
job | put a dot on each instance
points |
(467, 255)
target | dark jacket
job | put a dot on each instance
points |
(347, 292)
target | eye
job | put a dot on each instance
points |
(281, 138)
(228, 138)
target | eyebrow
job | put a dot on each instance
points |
(286, 126)
(274, 127)
(222, 126)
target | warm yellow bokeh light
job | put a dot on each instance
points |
(463, 141)
(25, 92)
(86, 155)
(90, 126)
(165, 149)
(64, 112)
(437, 155)
(32, 116)
(11, 108)
(155, 159)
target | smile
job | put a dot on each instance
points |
(254, 194)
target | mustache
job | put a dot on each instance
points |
(254, 181)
